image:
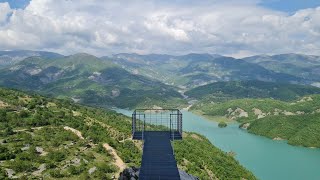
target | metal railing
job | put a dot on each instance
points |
(145, 120)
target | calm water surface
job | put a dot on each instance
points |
(267, 159)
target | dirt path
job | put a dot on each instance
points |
(34, 128)
(118, 161)
(113, 132)
(76, 132)
(3, 104)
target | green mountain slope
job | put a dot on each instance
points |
(296, 121)
(197, 69)
(37, 141)
(8, 58)
(220, 91)
(304, 66)
(87, 79)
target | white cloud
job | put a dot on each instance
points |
(100, 27)
(4, 12)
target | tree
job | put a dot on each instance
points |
(222, 124)
(3, 115)
(8, 131)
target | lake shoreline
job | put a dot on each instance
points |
(266, 158)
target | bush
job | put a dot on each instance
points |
(106, 168)
(22, 166)
(56, 173)
(222, 124)
(74, 170)
(3, 174)
(57, 156)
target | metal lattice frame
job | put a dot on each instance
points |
(157, 120)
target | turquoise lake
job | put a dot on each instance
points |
(266, 158)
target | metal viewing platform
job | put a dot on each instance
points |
(157, 127)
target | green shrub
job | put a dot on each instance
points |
(222, 124)
(106, 168)
(74, 170)
(57, 156)
(55, 173)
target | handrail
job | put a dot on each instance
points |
(172, 131)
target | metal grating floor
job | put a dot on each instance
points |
(158, 160)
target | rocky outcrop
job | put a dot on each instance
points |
(245, 126)
(288, 113)
(259, 113)
(237, 113)
(305, 99)
(132, 173)
(186, 176)
(278, 139)
(115, 93)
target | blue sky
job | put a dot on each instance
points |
(290, 5)
(17, 3)
(280, 5)
(235, 28)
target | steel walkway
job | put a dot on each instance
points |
(158, 162)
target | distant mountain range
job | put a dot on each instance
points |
(89, 80)
(132, 80)
(303, 66)
(8, 58)
(222, 91)
(193, 70)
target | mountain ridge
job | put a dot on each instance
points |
(88, 79)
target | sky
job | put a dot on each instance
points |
(237, 28)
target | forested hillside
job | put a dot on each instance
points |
(296, 121)
(89, 80)
(191, 70)
(8, 58)
(50, 138)
(222, 91)
(299, 65)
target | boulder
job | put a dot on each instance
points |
(186, 176)
(133, 174)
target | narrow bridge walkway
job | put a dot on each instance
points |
(158, 162)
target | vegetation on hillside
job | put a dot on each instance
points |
(89, 80)
(222, 91)
(299, 65)
(299, 130)
(193, 70)
(35, 143)
(198, 157)
(295, 121)
(222, 124)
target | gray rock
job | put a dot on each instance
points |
(41, 168)
(133, 174)
(129, 174)
(186, 176)
(92, 170)
(10, 173)
(76, 161)
(39, 150)
(26, 147)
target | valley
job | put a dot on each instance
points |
(264, 157)
(51, 138)
(150, 90)
(192, 70)
(245, 94)
(87, 79)
(295, 121)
